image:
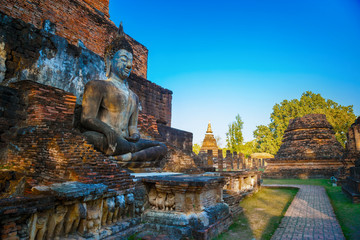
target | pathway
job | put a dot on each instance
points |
(310, 216)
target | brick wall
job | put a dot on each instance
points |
(48, 150)
(353, 137)
(148, 127)
(10, 111)
(46, 104)
(178, 138)
(154, 99)
(30, 53)
(75, 20)
(100, 5)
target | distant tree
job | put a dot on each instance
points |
(248, 148)
(196, 148)
(235, 140)
(268, 138)
(264, 140)
(234, 137)
(218, 141)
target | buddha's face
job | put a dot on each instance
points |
(121, 64)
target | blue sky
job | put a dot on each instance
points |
(223, 58)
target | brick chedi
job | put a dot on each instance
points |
(309, 150)
(209, 142)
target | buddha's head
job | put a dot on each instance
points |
(119, 56)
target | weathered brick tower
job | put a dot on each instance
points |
(309, 150)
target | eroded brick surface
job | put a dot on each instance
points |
(155, 100)
(310, 137)
(49, 150)
(76, 20)
(309, 150)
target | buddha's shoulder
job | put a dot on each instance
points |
(134, 95)
(98, 84)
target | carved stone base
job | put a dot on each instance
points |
(72, 210)
(238, 185)
(302, 169)
(186, 206)
(206, 224)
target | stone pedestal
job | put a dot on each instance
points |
(186, 206)
(240, 181)
(238, 185)
(352, 186)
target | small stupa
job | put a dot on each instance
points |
(209, 142)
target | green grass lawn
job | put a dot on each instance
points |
(262, 214)
(347, 213)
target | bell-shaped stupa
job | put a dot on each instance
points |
(209, 142)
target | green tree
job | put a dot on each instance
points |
(218, 141)
(264, 140)
(268, 138)
(235, 140)
(196, 148)
(234, 137)
(248, 148)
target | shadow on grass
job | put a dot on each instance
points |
(262, 214)
(275, 221)
(240, 229)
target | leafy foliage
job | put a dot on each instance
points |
(235, 140)
(268, 138)
(248, 148)
(234, 137)
(218, 141)
(196, 148)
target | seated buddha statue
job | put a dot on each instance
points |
(110, 109)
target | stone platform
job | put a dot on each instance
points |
(303, 169)
(239, 184)
(71, 210)
(186, 206)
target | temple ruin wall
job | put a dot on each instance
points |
(31, 53)
(87, 21)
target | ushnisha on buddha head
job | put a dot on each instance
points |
(118, 57)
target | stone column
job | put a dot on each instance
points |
(210, 162)
(203, 159)
(220, 161)
(228, 160)
(235, 161)
(241, 159)
(357, 138)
